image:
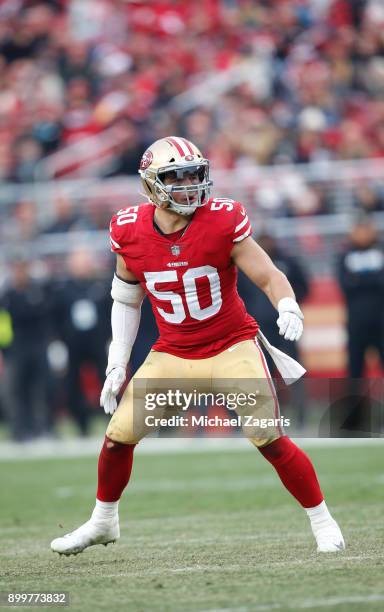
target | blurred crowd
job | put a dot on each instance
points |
(249, 81)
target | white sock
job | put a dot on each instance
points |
(105, 510)
(318, 515)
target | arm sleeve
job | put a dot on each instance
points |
(125, 320)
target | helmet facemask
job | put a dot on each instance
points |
(168, 181)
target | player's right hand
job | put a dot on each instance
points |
(113, 383)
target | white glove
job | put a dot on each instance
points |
(290, 321)
(113, 383)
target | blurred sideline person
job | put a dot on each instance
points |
(361, 278)
(260, 307)
(182, 250)
(81, 314)
(28, 303)
(6, 339)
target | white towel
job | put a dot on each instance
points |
(289, 369)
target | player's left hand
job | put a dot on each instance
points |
(290, 321)
(113, 383)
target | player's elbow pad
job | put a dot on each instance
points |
(127, 293)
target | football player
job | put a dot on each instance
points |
(182, 250)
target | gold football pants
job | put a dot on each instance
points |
(240, 369)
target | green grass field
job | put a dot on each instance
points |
(200, 531)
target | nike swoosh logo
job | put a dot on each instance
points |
(232, 348)
(340, 546)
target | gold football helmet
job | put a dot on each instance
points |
(174, 159)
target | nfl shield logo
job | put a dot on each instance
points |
(175, 250)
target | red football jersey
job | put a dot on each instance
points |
(191, 280)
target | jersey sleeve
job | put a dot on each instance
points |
(117, 235)
(113, 236)
(242, 226)
(123, 229)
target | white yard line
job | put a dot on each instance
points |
(76, 447)
(218, 569)
(306, 604)
(338, 601)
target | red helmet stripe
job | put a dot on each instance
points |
(174, 142)
(187, 145)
